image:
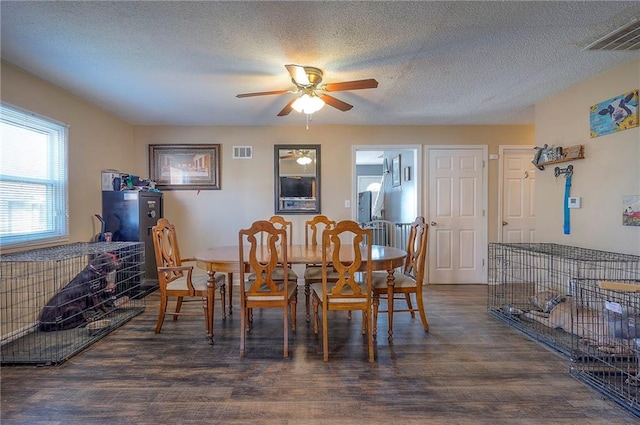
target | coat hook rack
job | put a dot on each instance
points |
(568, 171)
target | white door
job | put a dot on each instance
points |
(517, 218)
(457, 196)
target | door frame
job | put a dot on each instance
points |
(416, 172)
(502, 149)
(485, 196)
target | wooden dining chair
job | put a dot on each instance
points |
(409, 279)
(313, 271)
(181, 281)
(280, 223)
(343, 247)
(264, 291)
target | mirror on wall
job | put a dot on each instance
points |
(297, 179)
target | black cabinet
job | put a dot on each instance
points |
(129, 216)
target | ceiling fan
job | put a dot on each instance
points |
(295, 153)
(307, 80)
(302, 156)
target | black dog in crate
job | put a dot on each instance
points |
(88, 294)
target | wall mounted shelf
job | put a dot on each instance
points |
(570, 154)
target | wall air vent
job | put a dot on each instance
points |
(242, 152)
(624, 38)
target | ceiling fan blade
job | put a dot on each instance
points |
(287, 109)
(263, 93)
(338, 104)
(351, 85)
(298, 74)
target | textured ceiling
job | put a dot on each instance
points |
(182, 63)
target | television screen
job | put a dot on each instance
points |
(297, 187)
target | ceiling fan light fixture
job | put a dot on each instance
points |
(304, 160)
(307, 104)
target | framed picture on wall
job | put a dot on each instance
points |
(616, 114)
(187, 167)
(395, 171)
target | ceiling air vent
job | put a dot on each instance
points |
(626, 37)
(242, 152)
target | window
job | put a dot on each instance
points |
(33, 179)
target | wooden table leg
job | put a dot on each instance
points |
(230, 290)
(390, 282)
(211, 295)
(223, 299)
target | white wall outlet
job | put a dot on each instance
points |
(347, 203)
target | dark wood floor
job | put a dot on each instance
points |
(470, 369)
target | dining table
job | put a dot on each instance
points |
(226, 259)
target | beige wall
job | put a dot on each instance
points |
(212, 218)
(610, 170)
(97, 140)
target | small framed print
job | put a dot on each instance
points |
(185, 167)
(395, 171)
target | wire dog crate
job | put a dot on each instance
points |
(66, 283)
(531, 285)
(606, 342)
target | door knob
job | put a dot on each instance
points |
(433, 223)
(504, 223)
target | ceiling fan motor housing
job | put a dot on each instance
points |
(314, 75)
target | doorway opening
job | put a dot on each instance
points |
(387, 183)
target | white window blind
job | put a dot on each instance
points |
(33, 179)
